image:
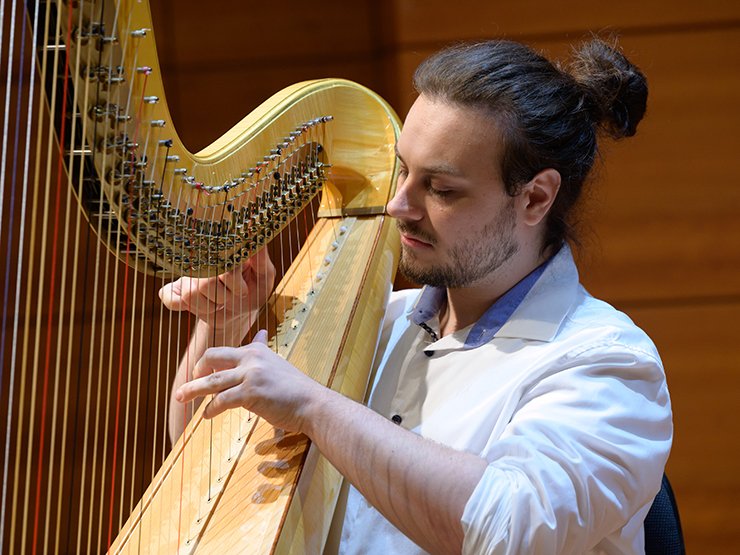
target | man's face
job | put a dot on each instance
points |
(457, 224)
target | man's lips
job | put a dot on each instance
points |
(412, 237)
(411, 241)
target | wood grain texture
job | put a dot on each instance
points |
(701, 354)
(312, 506)
(222, 60)
(432, 22)
(668, 221)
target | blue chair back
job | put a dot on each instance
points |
(663, 534)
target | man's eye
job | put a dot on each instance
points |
(439, 192)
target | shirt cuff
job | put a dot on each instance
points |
(487, 514)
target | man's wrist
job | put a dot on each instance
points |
(322, 406)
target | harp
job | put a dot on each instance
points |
(120, 207)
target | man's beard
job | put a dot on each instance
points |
(470, 260)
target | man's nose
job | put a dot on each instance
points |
(404, 204)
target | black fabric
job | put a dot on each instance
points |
(663, 535)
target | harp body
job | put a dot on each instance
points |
(234, 484)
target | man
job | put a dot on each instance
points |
(511, 412)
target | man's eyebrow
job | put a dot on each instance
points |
(441, 169)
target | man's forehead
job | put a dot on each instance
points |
(446, 138)
(440, 167)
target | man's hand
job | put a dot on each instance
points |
(226, 299)
(255, 378)
(226, 306)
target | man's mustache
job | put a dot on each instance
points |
(412, 228)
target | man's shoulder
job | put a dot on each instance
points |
(604, 325)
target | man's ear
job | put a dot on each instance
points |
(538, 195)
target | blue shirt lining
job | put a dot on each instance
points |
(483, 330)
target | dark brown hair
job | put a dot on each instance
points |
(550, 117)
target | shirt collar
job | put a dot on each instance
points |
(532, 309)
(543, 310)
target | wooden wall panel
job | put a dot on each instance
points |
(261, 32)
(221, 60)
(670, 226)
(215, 101)
(434, 22)
(701, 354)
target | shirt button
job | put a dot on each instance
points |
(397, 419)
(429, 353)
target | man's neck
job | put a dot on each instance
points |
(466, 305)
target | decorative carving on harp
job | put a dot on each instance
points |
(87, 351)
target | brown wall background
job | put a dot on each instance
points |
(665, 246)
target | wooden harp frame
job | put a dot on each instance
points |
(168, 212)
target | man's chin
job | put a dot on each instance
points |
(434, 276)
(409, 270)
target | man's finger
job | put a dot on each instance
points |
(216, 359)
(195, 295)
(222, 402)
(212, 384)
(261, 337)
(171, 298)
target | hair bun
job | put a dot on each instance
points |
(615, 89)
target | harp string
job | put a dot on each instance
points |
(10, 67)
(137, 410)
(159, 370)
(125, 296)
(158, 359)
(186, 452)
(73, 302)
(130, 370)
(70, 202)
(92, 351)
(132, 496)
(102, 480)
(121, 347)
(169, 351)
(39, 304)
(110, 266)
(62, 304)
(21, 243)
(171, 362)
(6, 120)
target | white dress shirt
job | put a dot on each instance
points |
(567, 402)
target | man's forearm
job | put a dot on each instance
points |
(419, 486)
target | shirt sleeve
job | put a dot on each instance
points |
(583, 455)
